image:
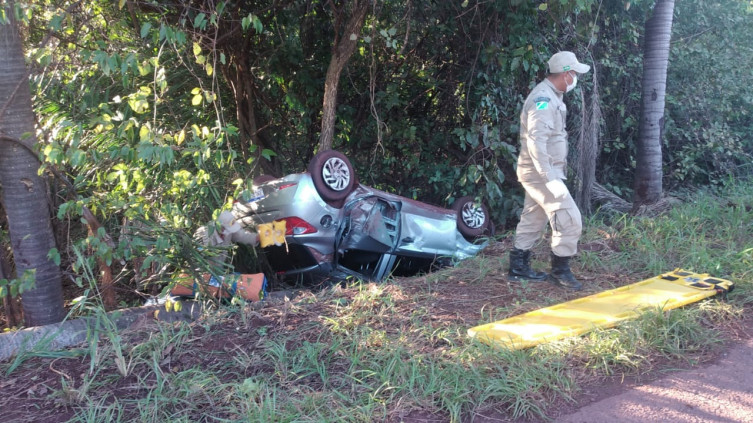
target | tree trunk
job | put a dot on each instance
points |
(343, 48)
(241, 81)
(24, 192)
(588, 147)
(648, 173)
(107, 288)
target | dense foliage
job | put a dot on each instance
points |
(161, 112)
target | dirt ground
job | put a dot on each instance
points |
(719, 390)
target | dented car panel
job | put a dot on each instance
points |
(363, 232)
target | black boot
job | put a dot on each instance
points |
(561, 274)
(520, 266)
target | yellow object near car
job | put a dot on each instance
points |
(602, 310)
(272, 233)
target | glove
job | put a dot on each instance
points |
(557, 188)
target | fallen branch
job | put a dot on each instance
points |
(75, 331)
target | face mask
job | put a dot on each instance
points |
(571, 86)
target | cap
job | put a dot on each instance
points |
(564, 61)
(228, 222)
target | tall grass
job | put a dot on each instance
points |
(709, 233)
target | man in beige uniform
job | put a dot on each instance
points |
(542, 165)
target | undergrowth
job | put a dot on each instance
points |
(379, 352)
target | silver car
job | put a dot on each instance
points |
(336, 227)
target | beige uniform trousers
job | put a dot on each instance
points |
(539, 208)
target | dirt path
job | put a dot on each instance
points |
(721, 392)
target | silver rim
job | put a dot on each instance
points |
(473, 217)
(336, 174)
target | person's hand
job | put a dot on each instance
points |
(557, 188)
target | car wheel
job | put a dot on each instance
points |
(262, 179)
(472, 218)
(333, 175)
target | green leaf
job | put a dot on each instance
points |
(56, 22)
(220, 7)
(139, 105)
(145, 29)
(200, 20)
(515, 63)
(54, 255)
(257, 24)
(543, 6)
(144, 133)
(144, 68)
(78, 158)
(268, 154)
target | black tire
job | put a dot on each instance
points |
(262, 179)
(473, 218)
(333, 176)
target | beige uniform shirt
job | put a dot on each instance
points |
(543, 135)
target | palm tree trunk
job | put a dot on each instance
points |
(24, 192)
(648, 173)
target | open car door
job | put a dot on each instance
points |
(368, 236)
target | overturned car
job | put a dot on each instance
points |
(330, 225)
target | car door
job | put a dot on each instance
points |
(368, 236)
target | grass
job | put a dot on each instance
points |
(379, 352)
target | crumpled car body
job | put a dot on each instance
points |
(337, 227)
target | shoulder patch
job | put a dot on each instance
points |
(541, 102)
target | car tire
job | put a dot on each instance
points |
(262, 179)
(333, 176)
(473, 218)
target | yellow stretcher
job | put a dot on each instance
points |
(602, 310)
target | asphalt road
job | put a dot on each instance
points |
(721, 392)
